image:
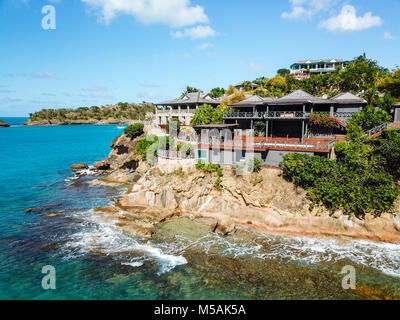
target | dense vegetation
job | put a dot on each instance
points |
(206, 114)
(361, 76)
(121, 112)
(134, 130)
(360, 181)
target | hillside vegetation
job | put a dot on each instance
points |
(122, 112)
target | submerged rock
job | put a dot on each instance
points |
(224, 226)
(79, 166)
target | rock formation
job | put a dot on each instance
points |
(262, 201)
(79, 166)
(3, 124)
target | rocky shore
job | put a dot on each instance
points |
(3, 124)
(261, 201)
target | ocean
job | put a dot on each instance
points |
(95, 260)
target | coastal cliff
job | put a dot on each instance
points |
(3, 124)
(262, 201)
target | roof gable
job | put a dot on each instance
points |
(298, 95)
(348, 97)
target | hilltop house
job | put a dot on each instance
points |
(303, 69)
(183, 107)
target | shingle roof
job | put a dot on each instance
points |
(321, 60)
(347, 98)
(192, 98)
(299, 97)
(253, 101)
(243, 82)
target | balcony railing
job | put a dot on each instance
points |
(283, 115)
(174, 111)
(267, 115)
(174, 155)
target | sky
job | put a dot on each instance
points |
(81, 53)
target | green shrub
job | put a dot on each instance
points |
(200, 165)
(255, 164)
(134, 130)
(257, 181)
(337, 185)
(218, 185)
(144, 145)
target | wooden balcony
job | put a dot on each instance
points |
(271, 115)
(284, 115)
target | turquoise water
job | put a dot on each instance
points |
(95, 260)
(36, 174)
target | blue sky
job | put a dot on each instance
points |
(106, 51)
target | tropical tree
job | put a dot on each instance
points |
(206, 114)
(190, 90)
(386, 102)
(369, 118)
(283, 72)
(217, 92)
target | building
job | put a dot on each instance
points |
(182, 108)
(287, 126)
(240, 86)
(397, 112)
(303, 69)
(288, 117)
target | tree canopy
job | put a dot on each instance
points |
(206, 114)
(190, 90)
(217, 92)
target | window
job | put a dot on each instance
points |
(202, 154)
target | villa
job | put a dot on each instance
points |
(287, 124)
(288, 117)
(182, 108)
(303, 69)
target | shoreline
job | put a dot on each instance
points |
(262, 201)
(140, 202)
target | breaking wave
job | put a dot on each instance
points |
(99, 237)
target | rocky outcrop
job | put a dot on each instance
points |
(79, 166)
(263, 201)
(102, 165)
(123, 161)
(3, 124)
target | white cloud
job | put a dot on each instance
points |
(304, 9)
(205, 46)
(96, 88)
(347, 20)
(256, 66)
(174, 13)
(195, 33)
(388, 36)
(44, 75)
